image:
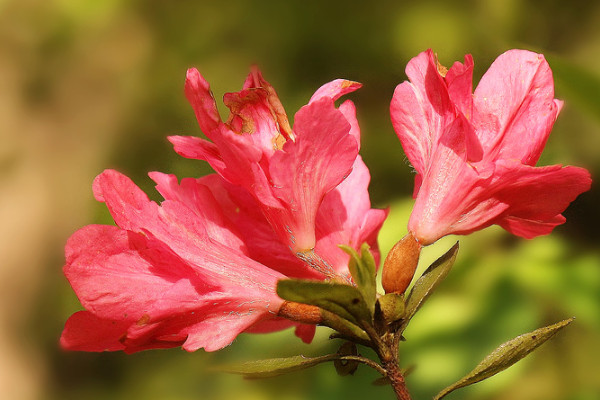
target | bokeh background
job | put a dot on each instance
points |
(91, 84)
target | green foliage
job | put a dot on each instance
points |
(276, 366)
(428, 282)
(340, 299)
(363, 270)
(506, 355)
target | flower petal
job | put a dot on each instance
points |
(537, 196)
(118, 274)
(301, 174)
(335, 89)
(262, 243)
(346, 218)
(459, 80)
(419, 110)
(198, 93)
(86, 332)
(515, 107)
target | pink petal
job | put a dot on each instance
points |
(349, 110)
(453, 193)
(537, 196)
(213, 324)
(252, 117)
(198, 149)
(197, 91)
(346, 218)
(419, 110)
(307, 169)
(262, 243)
(86, 332)
(183, 232)
(459, 80)
(335, 89)
(119, 275)
(200, 200)
(515, 107)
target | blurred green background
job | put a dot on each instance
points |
(87, 85)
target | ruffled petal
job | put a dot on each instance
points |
(261, 241)
(346, 218)
(335, 89)
(454, 193)
(459, 80)
(200, 200)
(198, 93)
(305, 170)
(420, 110)
(515, 107)
(537, 196)
(119, 275)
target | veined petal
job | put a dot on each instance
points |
(261, 241)
(200, 200)
(537, 196)
(419, 110)
(454, 193)
(305, 170)
(346, 218)
(515, 107)
(182, 231)
(118, 274)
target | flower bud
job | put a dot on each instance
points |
(400, 265)
(299, 312)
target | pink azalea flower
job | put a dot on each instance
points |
(475, 153)
(202, 267)
(166, 276)
(288, 172)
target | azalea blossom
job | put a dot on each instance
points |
(287, 171)
(475, 153)
(202, 266)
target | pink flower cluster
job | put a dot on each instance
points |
(202, 266)
(475, 153)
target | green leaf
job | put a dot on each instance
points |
(343, 300)
(506, 355)
(427, 283)
(363, 270)
(275, 366)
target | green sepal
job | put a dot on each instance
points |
(275, 366)
(343, 300)
(345, 329)
(346, 367)
(506, 355)
(391, 307)
(363, 270)
(427, 283)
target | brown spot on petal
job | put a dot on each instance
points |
(143, 320)
(441, 69)
(347, 84)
